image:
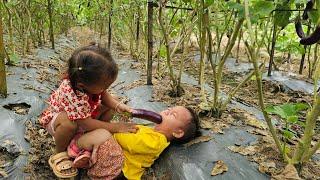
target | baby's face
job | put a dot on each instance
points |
(173, 119)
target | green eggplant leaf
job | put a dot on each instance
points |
(281, 18)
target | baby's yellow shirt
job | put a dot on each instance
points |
(140, 150)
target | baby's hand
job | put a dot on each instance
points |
(125, 127)
(126, 118)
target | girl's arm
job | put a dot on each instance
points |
(90, 124)
(108, 100)
(112, 103)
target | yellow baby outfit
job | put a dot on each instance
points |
(140, 150)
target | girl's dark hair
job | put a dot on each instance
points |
(89, 64)
(192, 130)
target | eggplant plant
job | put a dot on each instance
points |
(218, 104)
(303, 151)
(289, 113)
(287, 43)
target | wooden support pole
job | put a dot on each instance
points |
(273, 44)
(50, 9)
(150, 42)
(109, 26)
(138, 29)
(3, 82)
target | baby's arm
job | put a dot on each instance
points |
(90, 124)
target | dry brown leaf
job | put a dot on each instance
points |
(228, 118)
(252, 121)
(3, 173)
(2, 163)
(217, 130)
(206, 124)
(264, 166)
(268, 139)
(10, 73)
(218, 127)
(249, 150)
(219, 168)
(258, 132)
(8, 142)
(198, 140)
(289, 173)
(21, 111)
(42, 132)
(259, 158)
(256, 123)
(134, 84)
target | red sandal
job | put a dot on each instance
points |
(81, 156)
(83, 160)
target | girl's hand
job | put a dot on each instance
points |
(125, 127)
(121, 108)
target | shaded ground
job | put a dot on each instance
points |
(239, 138)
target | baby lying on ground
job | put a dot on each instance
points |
(137, 151)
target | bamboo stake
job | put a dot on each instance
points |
(3, 82)
(150, 43)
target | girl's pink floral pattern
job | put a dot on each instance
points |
(77, 105)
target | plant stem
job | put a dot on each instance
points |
(223, 60)
(305, 143)
(183, 36)
(235, 90)
(166, 41)
(284, 144)
(253, 54)
(238, 47)
(315, 59)
(202, 37)
(312, 151)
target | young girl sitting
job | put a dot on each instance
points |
(80, 100)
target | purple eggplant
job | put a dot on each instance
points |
(299, 29)
(309, 7)
(147, 115)
(313, 38)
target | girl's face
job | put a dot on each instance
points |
(97, 88)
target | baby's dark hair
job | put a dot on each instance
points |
(89, 64)
(192, 129)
